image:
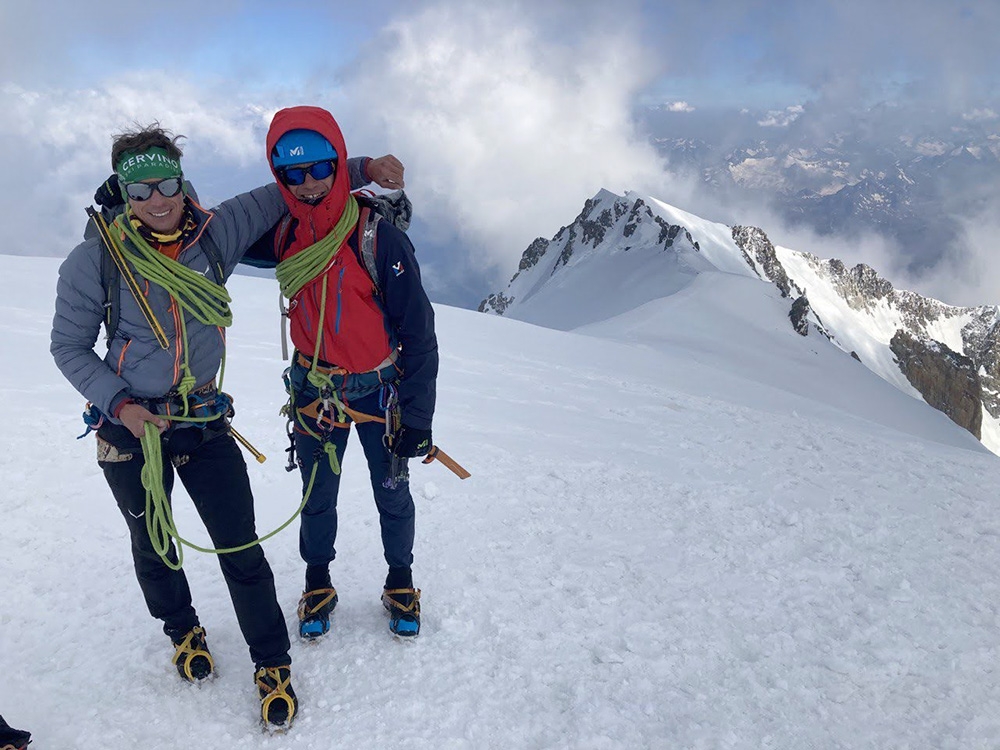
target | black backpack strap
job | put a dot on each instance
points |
(110, 282)
(281, 236)
(214, 255)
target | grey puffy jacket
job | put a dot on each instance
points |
(135, 364)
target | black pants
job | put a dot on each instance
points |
(213, 472)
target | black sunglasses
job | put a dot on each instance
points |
(143, 191)
(297, 175)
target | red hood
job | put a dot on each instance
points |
(324, 216)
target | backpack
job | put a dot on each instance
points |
(394, 207)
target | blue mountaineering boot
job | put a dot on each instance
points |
(403, 606)
(315, 608)
(191, 657)
(278, 703)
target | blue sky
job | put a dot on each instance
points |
(508, 115)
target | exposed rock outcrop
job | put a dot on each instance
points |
(860, 286)
(496, 303)
(799, 315)
(755, 246)
(947, 380)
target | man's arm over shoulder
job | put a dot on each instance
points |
(411, 317)
(261, 253)
(241, 221)
(76, 326)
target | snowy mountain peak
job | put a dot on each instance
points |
(629, 242)
(622, 252)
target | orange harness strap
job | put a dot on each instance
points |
(312, 410)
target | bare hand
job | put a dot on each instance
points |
(135, 417)
(386, 171)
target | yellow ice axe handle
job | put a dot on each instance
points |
(436, 454)
(261, 458)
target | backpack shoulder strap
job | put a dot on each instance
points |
(112, 286)
(211, 250)
(368, 223)
(281, 236)
(110, 282)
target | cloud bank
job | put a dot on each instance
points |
(504, 132)
(507, 116)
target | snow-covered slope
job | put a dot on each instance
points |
(622, 252)
(668, 541)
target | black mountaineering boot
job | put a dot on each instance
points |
(278, 703)
(193, 661)
(16, 739)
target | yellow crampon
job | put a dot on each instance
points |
(192, 647)
(328, 595)
(273, 684)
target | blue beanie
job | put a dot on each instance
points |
(301, 147)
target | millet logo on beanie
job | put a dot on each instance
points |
(153, 163)
(301, 146)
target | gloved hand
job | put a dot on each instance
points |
(411, 442)
(109, 195)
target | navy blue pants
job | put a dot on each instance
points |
(214, 473)
(318, 530)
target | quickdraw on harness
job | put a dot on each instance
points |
(399, 470)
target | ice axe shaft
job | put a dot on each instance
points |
(261, 458)
(436, 454)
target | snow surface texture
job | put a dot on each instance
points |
(667, 542)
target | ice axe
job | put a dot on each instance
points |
(436, 454)
(398, 471)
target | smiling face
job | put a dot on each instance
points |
(161, 214)
(312, 190)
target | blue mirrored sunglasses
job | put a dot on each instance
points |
(297, 175)
(143, 191)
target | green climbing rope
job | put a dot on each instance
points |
(295, 272)
(207, 301)
(159, 517)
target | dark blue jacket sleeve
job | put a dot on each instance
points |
(261, 253)
(411, 319)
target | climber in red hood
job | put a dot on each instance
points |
(322, 217)
(365, 342)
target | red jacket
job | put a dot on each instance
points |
(354, 329)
